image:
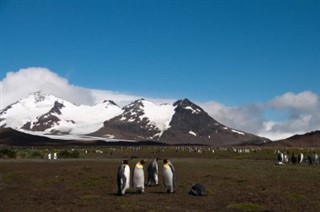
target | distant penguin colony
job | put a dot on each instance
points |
(123, 178)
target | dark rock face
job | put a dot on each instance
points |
(47, 120)
(3, 112)
(190, 117)
(56, 108)
(110, 102)
(130, 123)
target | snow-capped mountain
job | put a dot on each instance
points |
(50, 114)
(180, 123)
(141, 119)
(190, 124)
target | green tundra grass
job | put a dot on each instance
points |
(234, 182)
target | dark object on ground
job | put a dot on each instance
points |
(198, 190)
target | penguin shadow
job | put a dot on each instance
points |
(128, 193)
(116, 194)
(162, 192)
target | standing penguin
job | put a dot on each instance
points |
(123, 177)
(153, 172)
(138, 177)
(300, 157)
(169, 176)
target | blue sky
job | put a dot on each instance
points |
(232, 52)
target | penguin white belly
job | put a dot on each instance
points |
(127, 174)
(168, 178)
(156, 178)
(138, 179)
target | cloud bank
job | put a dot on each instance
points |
(17, 85)
(298, 112)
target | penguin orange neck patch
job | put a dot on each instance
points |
(166, 165)
(138, 165)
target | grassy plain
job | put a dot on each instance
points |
(234, 182)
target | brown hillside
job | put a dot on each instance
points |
(311, 139)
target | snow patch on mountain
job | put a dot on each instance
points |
(106, 138)
(194, 111)
(87, 118)
(159, 115)
(236, 131)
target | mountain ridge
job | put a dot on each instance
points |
(182, 122)
(309, 139)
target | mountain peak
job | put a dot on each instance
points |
(136, 105)
(183, 102)
(139, 101)
(109, 102)
(186, 104)
(38, 96)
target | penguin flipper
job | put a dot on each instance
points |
(174, 174)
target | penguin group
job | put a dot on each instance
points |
(311, 158)
(123, 176)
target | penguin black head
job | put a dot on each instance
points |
(125, 162)
(165, 160)
(142, 162)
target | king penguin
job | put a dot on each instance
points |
(169, 176)
(138, 177)
(153, 172)
(123, 177)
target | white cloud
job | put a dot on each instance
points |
(302, 110)
(17, 85)
(248, 118)
(303, 102)
(301, 114)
